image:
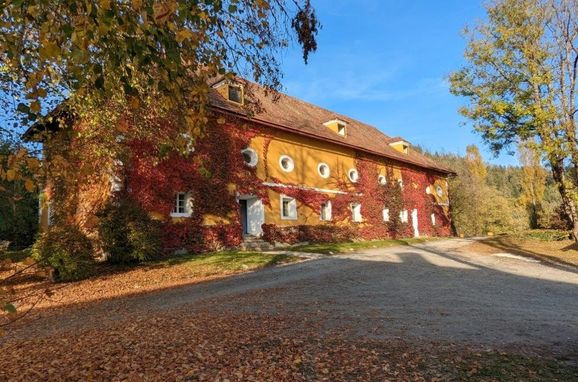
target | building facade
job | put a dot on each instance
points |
(289, 172)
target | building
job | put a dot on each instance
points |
(289, 172)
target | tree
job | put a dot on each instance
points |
(115, 61)
(533, 183)
(520, 81)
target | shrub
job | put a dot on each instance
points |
(310, 233)
(67, 251)
(127, 233)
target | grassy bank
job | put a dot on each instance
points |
(335, 248)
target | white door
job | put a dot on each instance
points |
(255, 216)
(414, 223)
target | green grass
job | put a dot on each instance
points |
(15, 256)
(545, 235)
(227, 262)
(334, 248)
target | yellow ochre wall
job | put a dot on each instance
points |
(306, 153)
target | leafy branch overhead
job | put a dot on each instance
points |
(106, 49)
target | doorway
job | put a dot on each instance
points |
(252, 215)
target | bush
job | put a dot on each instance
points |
(128, 234)
(67, 251)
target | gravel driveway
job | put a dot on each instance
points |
(427, 292)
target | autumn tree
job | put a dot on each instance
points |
(520, 81)
(533, 182)
(138, 59)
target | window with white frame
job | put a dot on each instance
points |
(382, 180)
(326, 211)
(286, 163)
(183, 205)
(403, 216)
(356, 212)
(385, 213)
(250, 157)
(288, 208)
(323, 170)
(433, 219)
(400, 183)
(353, 175)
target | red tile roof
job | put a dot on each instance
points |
(289, 113)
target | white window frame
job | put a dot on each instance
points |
(403, 216)
(187, 208)
(385, 213)
(327, 215)
(382, 180)
(356, 215)
(321, 165)
(433, 219)
(292, 207)
(353, 179)
(254, 157)
(439, 191)
(291, 163)
(400, 183)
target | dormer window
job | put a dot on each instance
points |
(401, 146)
(337, 126)
(235, 93)
(231, 91)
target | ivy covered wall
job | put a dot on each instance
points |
(215, 174)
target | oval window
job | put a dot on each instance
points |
(323, 170)
(439, 191)
(250, 157)
(286, 163)
(353, 175)
(382, 180)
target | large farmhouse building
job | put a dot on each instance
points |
(289, 172)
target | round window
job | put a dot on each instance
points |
(250, 157)
(323, 170)
(353, 175)
(286, 163)
(439, 191)
(381, 180)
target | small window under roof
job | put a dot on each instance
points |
(337, 126)
(235, 93)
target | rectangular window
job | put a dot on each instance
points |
(403, 216)
(288, 208)
(235, 94)
(386, 214)
(183, 205)
(326, 211)
(356, 212)
(433, 219)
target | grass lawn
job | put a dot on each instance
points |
(545, 245)
(334, 248)
(227, 262)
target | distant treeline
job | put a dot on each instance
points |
(501, 199)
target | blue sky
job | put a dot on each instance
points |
(385, 62)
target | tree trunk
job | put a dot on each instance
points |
(567, 200)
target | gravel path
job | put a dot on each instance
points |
(427, 292)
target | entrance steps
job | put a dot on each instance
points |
(254, 243)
